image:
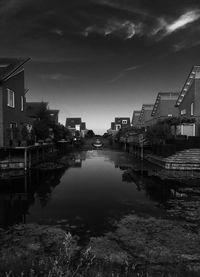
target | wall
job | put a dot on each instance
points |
(187, 100)
(15, 83)
(1, 117)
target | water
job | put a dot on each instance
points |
(86, 198)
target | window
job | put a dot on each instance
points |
(169, 115)
(183, 112)
(192, 109)
(22, 103)
(11, 98)
(124, 121)
(13, 125)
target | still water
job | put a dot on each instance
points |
(96, 189)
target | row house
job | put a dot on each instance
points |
(188, 103)
(75, 124)
(164, 106)
(135, 119)
(145, 115)
(12, 100)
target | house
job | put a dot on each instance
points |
(33, 109)
(188, 103)
(75, 124)
(12, 101)
(135, 119)
(145, 115)
(164, 106)
(121, 123)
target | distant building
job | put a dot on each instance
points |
(188, 102)
(164, 106)
(135, 119)
(145, 115)
(75, 124)
(12, 100)
(121, 123)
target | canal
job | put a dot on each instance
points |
(96, 189)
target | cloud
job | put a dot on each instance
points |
(123, 29)
(124, 71)
(56, 77)
(164, 28)
(183, 20)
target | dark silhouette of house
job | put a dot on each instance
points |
(12, 100)
(33, 110)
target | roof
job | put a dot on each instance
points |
(32, 108)
(164, 96)
(73, 121)
(145, 107)
(54, 111)
(9, 66)
(194, 74)
(117, 119)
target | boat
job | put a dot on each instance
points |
(97, 144)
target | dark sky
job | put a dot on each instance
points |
(98, 59)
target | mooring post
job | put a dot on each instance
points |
(29, 159)
(25, 159)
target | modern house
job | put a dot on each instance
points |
(12, 101)
(135, 119)
(121, 123)
(164, 106)
(145, 115)
(188, 103)
(75, 124)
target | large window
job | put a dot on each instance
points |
(192, 109)
(22, 103)
(10, 98)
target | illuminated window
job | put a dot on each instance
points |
(11, 98)
(170, 115)
(192, 109)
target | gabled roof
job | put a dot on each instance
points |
(9, 66)
(164, 96)
(73, 121)
(145, 107)
(194, 74)
(54, 111)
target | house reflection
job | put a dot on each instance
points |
(17, 195)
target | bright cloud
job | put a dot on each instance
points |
(183, 20)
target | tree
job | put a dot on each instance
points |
(90, 133)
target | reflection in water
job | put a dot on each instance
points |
(98, 187)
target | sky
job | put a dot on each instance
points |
(101, 59)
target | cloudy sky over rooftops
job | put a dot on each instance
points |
(101, 58)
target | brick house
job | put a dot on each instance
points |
(75, 124)
(165, 106)
(145, 115)
(12, 100)
(135, 119)
(188, 103)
